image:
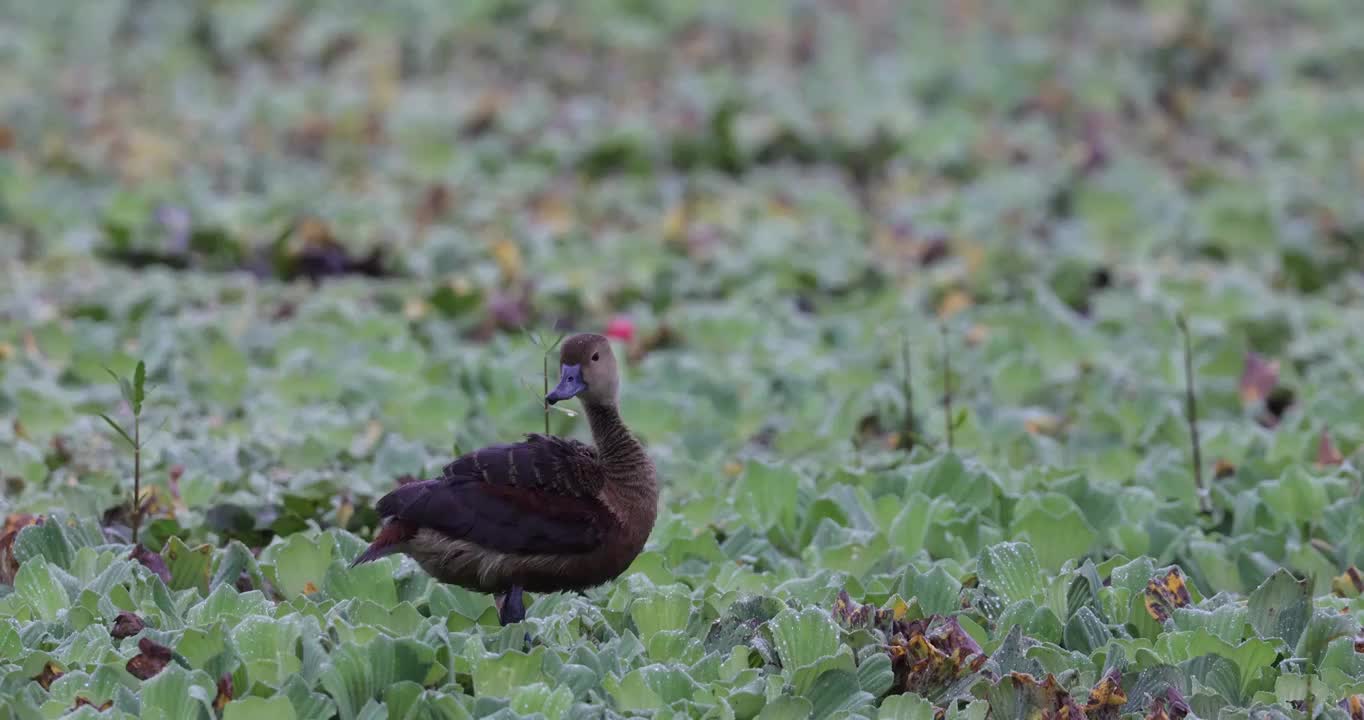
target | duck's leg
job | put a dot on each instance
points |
(511, 607)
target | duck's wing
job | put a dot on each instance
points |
(533, 497)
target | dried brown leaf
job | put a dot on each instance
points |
(1107, 698)
(1170, 706)
(1349, 583)
(1258, 379)
(931, 653)
(126, 625)
(225, 692)
(1327, 452)
(51, 671)
(18, 521)
(151, 659)
(151, 561)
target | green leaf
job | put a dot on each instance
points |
(235, 559)
(401, 697)
(1281, 607)
(348, 679)
(126, 437)
(905, 707)
(538, 698)
(301, 564)
(875, 674)
(373, 710)
(139, 387)
(1216, 673)
(1250, 656)
(802, 637)
(1055, 528)
(910, 527)
(1322, 629)
(205, 649)
(632, 692)
(787, 707)
(124, 387)
(1011, 569)
(178, 694)
(1085, 632)
(37, 585)
(500, 674)
(269, 649)
(836, 691)
(1226, 622)
(937, 591)
(308, 705)
(1012, 655)
(667, 610)
(258, 708)
(189, 567)
(371, 581)
(765, 495)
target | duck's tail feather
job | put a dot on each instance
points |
(389, 540)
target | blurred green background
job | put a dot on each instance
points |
(340, 233)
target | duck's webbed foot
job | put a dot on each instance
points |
(511, 606)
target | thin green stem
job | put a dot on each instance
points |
(545, 361)
(1191, 414)
(137, 476)
(946, 386)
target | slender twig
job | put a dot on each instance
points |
(539, 342)
(544, 398)
(911, 423)
(946, 385)
(137, 475)
(1191, 414)
(134, 394)
(1309, 697)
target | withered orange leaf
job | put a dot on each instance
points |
(849, 614)
(1348, 584)
(49, 675)
(18, 521)
(1164, 594)
(1107, 698)
(931, 653)
(1327, 452)
(1046, 700)
(1354, 705)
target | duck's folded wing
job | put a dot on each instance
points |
(537, 496)
(544, 463)
(499, 517)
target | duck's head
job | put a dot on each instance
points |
(587, 371)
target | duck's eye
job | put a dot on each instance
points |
(595, 356)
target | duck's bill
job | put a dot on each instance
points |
(570, 384)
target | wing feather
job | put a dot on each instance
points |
(532, 497)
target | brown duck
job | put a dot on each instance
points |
(547, 514)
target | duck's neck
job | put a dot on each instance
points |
(621, 454)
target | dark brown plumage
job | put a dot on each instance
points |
(546, 514)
